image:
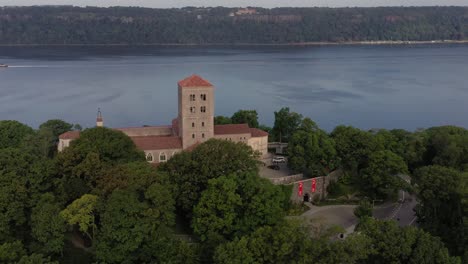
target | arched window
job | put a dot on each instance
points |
(203, 97)
(162, 157)
(193, 124)
(202, 124)
(149, 157)
(193, 135)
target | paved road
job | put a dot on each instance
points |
(343, 215)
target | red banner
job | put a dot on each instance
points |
(314, 184)
(299, 191)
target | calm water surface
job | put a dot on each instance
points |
(365, 86)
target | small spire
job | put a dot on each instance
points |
(99, 120)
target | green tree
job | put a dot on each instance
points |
(388, 140)
(353, 147)
(82, 212)
(364, 209)
(189, 172)
(235, 205)
(14, 192)
(290, 242)
(36, 259)
(311, 150)
(380, 178)
(128, 224)
(56, 126)
(392, 244)
(222, 120)
(96, 151)
(249, 117)
(447, 146)
(41, 143)
(136, 176)
(47, 137)
(112, 147)
(12, 133)
(11, 252)
(47, 227)
(440, 211)
(286, 123)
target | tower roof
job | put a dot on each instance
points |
(194, 81)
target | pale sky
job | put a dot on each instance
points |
(236, 3)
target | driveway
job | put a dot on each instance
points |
(332, 215)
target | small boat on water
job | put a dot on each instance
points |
(3, 65)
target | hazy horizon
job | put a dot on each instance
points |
(238, 3)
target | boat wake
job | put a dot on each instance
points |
(31, 66)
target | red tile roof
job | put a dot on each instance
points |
(70, 135)
(258, 132)
(157, 142)
(194, 81)
(231, 129)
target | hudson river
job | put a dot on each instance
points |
(365, 86)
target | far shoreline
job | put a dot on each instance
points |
(323, 43)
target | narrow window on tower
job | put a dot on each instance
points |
(203, 109)
(192, 97)
(193, 124)
(193, 135)
(203, 135)
(203, 97)
(202, 124)
(192, 110)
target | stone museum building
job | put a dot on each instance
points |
(193, 125)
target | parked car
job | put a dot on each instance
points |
(274, 167)
(279, 159)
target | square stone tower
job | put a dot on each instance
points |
(196, 110)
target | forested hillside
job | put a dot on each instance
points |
(128, 25)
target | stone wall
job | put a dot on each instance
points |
(146, 131)
(259, 144)
(287, 179)
(321, 184)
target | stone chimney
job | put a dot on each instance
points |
(99, 121)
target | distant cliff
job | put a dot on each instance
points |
(129, 25)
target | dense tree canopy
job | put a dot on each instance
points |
(101, 192)
(12, 133)
(380, 179)
(249, 117)
(222, 120)
(128, 224)
(286, 123)
(392, 244)
(130, 25)
(311, 150)
(353, 146)
(440, 210)
(190, 172)
(237, 204)
(110, 146)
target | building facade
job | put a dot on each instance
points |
(194, 125)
